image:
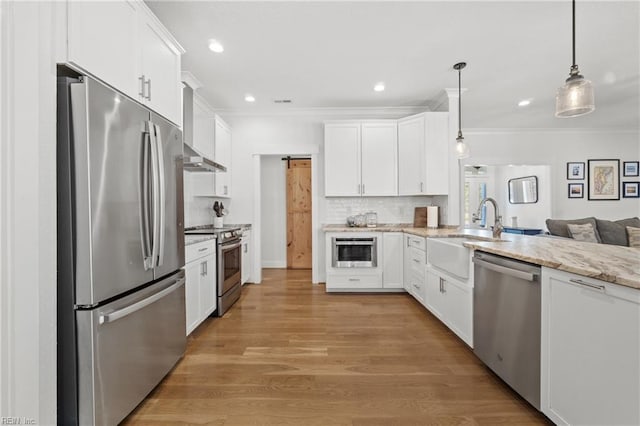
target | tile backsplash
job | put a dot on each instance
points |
(389, 209)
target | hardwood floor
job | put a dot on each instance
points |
(289, 354)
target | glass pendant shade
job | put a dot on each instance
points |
(575, 97)
(462, 149)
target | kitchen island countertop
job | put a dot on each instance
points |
(610, 263)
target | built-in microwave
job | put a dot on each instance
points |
(350, 252)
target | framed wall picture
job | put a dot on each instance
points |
(575, 171)
(604, 179)
(630, 168)
(576, 190)
(631, 189)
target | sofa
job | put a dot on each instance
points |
(613, 232)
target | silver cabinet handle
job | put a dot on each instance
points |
(598, 287)
(141, 92)
(527, 276)
(246, 248)
(354, 279)
(121, 313)
(363, 189)
(416, 260)
(358, 188)
(421, 187)
(226, 191)
(148, 83)
(204, 268)
(203, 249)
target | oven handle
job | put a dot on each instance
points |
(355, 243)
(226, 247)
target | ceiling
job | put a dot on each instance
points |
(330, 54)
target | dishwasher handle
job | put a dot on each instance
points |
(527, 276)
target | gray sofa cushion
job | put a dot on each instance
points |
(559, 227)
(584, 232)
(615, 232)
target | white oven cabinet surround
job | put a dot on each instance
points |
(590, 350)
(247, 256)
(415, 252)
(422, 154)
(361, 158)
(124, 44)
(367, 279)
(200, 285)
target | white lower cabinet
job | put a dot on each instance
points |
(415, 260)
(246, 256)
(392, 260)
(451, 301)
(200, 286)
(590, 351)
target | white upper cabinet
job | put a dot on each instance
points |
(423, 154)
(123, 44)
(379, 159)
(222, 155)
(342, 159)
(203, 184)
(94, 45)
(361, 158)
(160, 69)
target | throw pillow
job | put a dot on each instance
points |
(634, 236)
(615, 232)
(584, 232)
(559, 228)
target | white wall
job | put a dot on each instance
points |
(556, 148)
(273, 212)
(28, 212)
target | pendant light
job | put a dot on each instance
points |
(575, 98)
(461, 148)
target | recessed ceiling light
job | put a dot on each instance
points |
(249, 98)
(524, 102)
(379, 87)
(215, 46)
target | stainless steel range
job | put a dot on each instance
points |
(229, 262)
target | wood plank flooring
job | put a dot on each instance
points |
(289, 354)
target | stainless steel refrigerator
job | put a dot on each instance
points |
(121, 311)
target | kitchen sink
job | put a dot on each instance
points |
(449, 255)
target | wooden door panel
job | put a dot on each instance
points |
(299, 214)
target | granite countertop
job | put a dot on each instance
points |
(194, 239)
(614, 264)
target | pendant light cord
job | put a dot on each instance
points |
(573, 31)
(459, 102)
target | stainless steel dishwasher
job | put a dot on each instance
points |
(506, 321)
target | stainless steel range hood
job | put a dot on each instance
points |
(194, 161)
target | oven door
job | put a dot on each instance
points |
(354, 252)
(229, 266)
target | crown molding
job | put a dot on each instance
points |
(549, 130)
(354, 112)
(191, 80)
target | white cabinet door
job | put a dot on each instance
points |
(246, 256)
(102, 39)
(590, 351)
(161, 70)
(192, 295)
(434, 298)
(207, 286)
(392, 263)
(437, 153)
(411, 156)
(222, 155)
(458, 308)
(342, 159)
(203, 184)
(406, 260)
(379, 159)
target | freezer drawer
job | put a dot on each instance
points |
(126, 347)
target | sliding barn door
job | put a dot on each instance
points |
(299, 214)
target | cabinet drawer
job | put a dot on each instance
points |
(198, 250)
(417, 242)
(355, 281)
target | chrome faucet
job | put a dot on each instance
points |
(497, 226)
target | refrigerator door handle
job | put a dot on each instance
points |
(146, 234)
(121, 313)
(155, 172)
(163, 194)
